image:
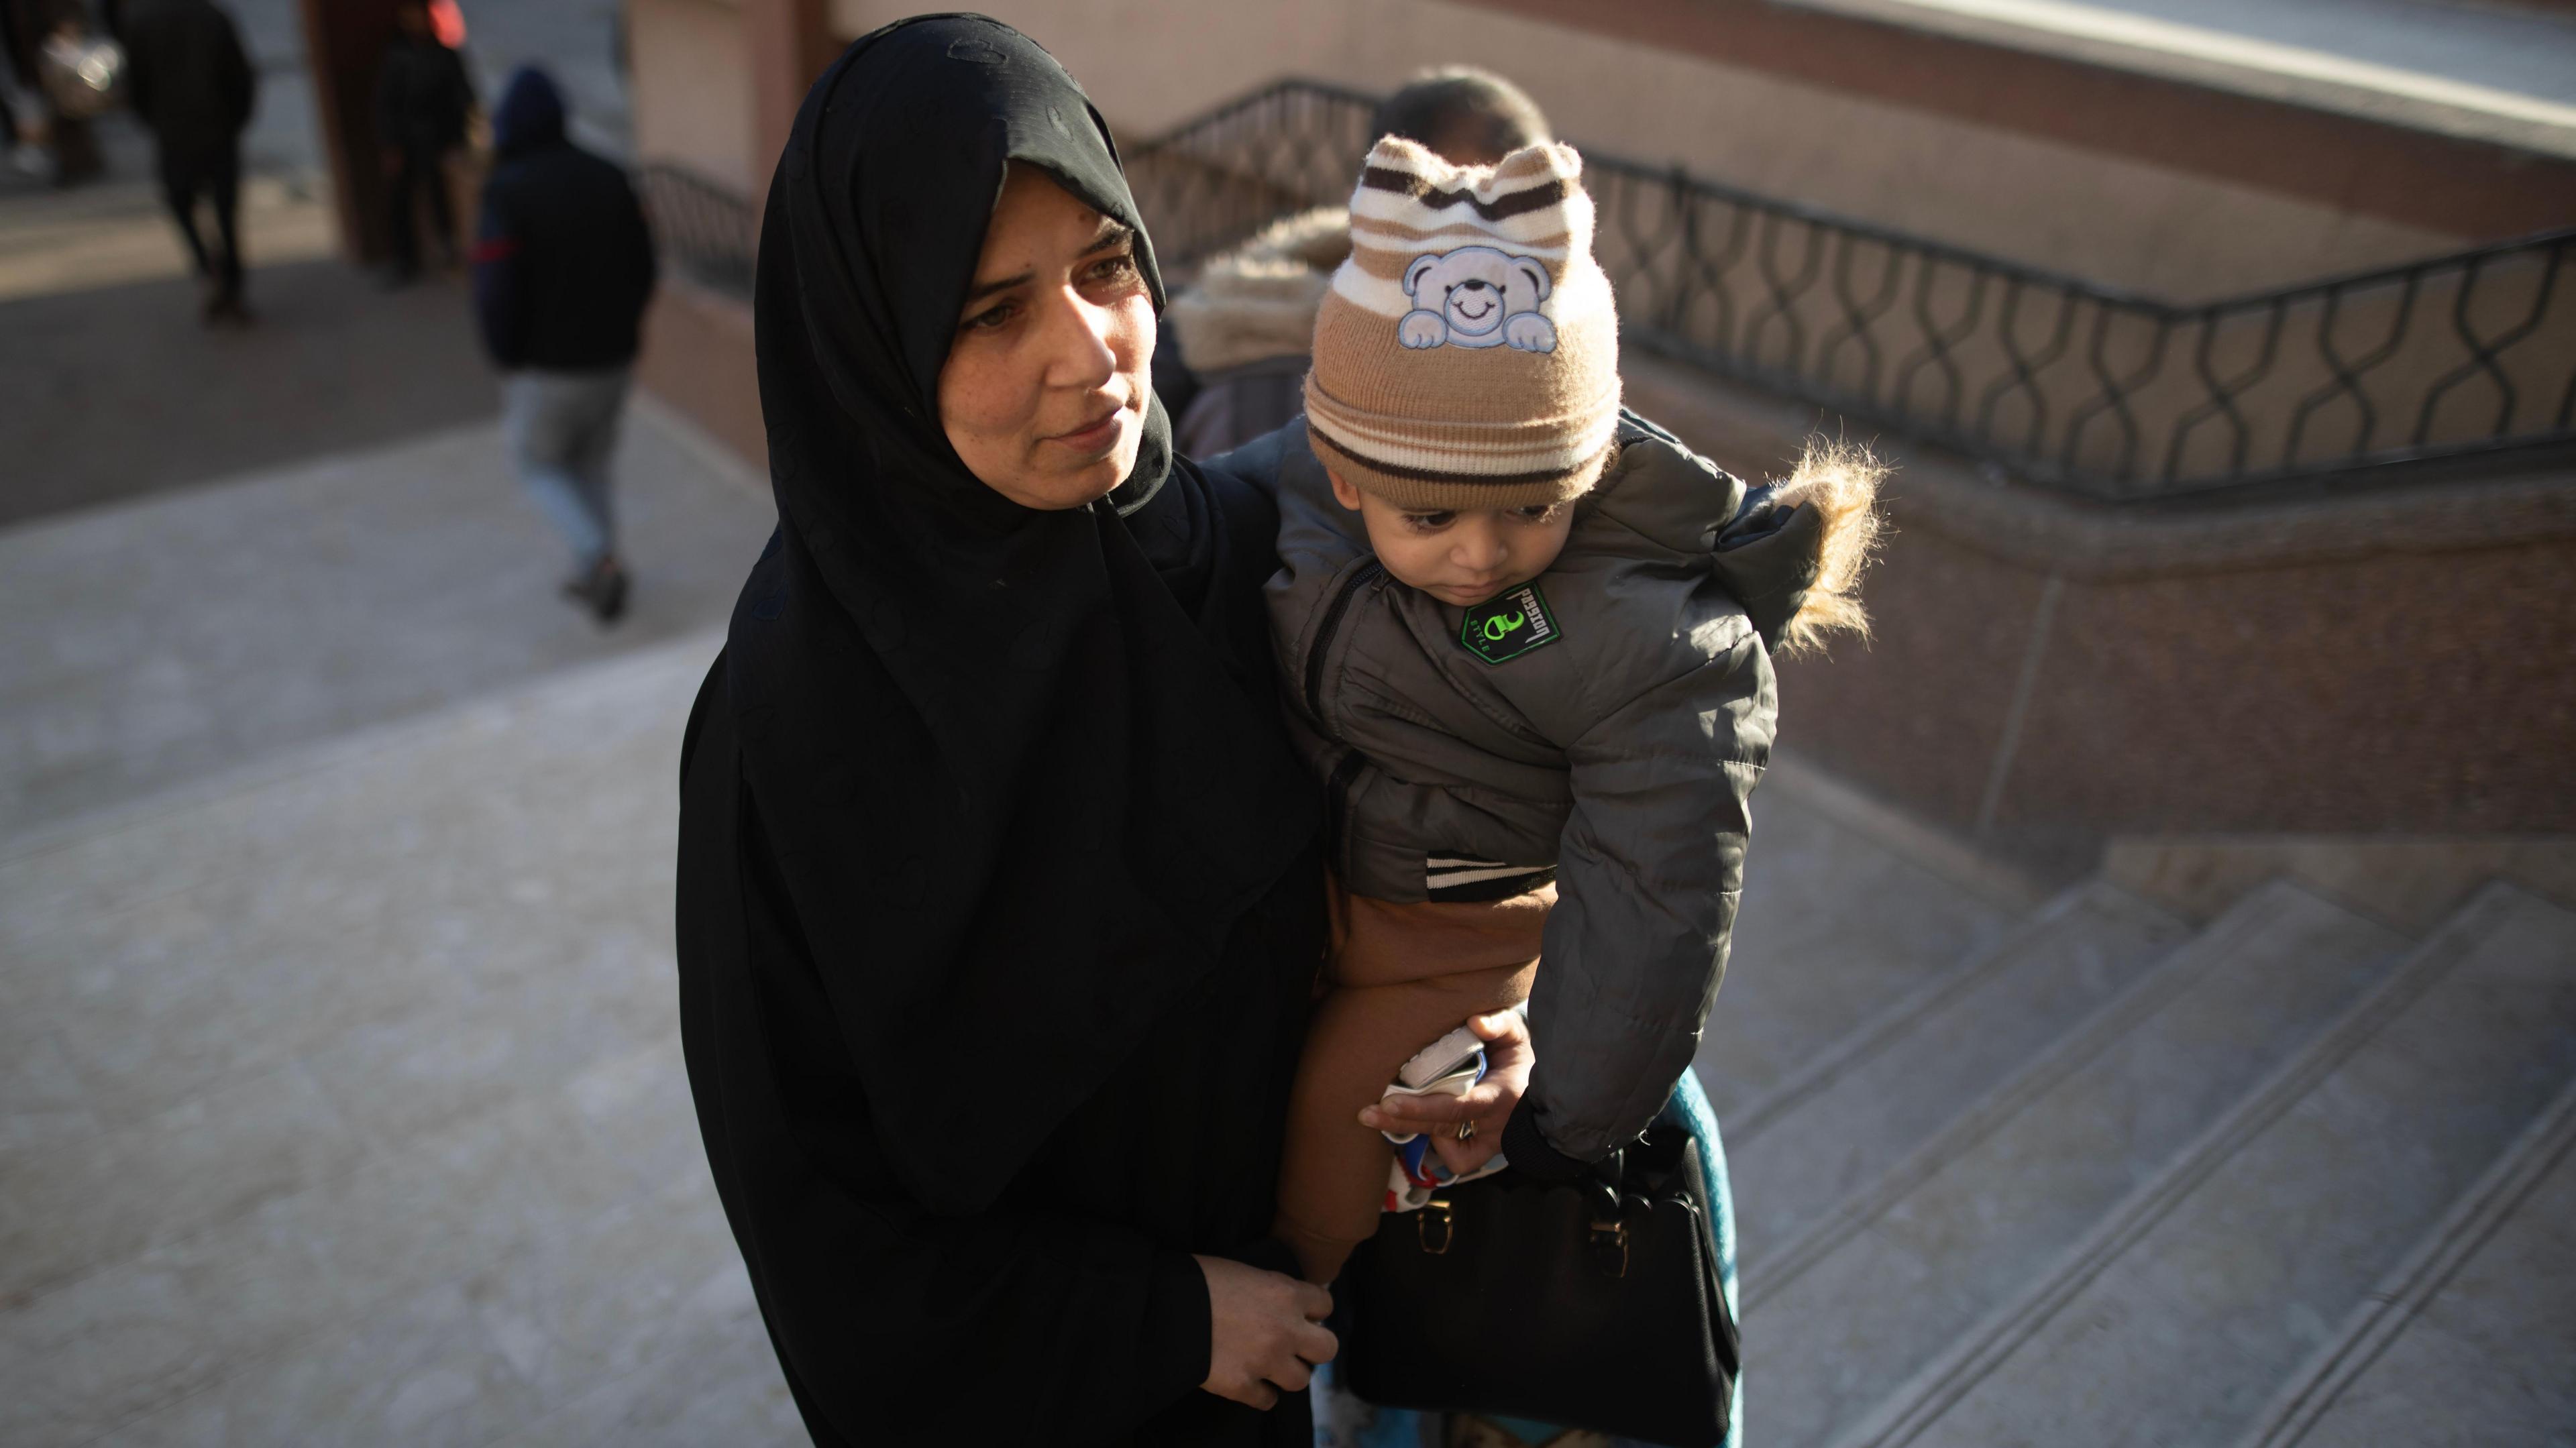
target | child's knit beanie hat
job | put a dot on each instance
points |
(1467, 355)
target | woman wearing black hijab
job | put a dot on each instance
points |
(999, 897)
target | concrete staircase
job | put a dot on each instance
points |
(340, 1094)
(2291, 1177)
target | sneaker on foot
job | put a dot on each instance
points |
(610, 605)
(601, 588)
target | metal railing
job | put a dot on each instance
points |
(2050, 378)
(708, 231)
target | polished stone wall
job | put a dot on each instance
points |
(2386, 658)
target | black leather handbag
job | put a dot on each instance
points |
(1592, 1305)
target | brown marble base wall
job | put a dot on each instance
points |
(698, 359)
(2411, 693)
(2046, 675)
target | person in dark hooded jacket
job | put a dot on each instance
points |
(424, 100)
(191, 84)
(563, 266)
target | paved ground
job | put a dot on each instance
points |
(341, 1098)
(147, 645)
(117, 391)
(344, 1103)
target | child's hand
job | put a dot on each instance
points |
(1487, 1105)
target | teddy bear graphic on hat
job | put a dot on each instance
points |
(1476, 296)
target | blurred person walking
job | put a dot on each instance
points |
(193, 87)
(563, 266)
(423, 102)
(21, 113)
(1242, 331)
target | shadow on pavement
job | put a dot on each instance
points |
(117, 392)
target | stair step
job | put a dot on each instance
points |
(2176, 1318)
(376, 1062)
(2470, 1342)
(1807, 967)
(1858, 1108)
(1977, 1211)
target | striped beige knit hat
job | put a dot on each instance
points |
(1467, 355)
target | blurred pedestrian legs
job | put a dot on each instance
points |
(423, 103)
(561, 428)
(193, 87)
(563, 265)
(417, 173)
(215, 179)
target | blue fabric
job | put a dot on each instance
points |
(531, 113)
(561, 430)
(1690, 1108)
(1343, 1421)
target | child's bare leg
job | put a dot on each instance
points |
(1332, 1174)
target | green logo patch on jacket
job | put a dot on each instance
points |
(1509, 625)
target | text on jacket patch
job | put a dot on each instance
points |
(1509, 625)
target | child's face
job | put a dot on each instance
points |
(1461, 558)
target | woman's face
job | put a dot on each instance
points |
(1046, 384)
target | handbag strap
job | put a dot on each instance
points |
(1606, 1234)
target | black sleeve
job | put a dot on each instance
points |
(1650, 871)
(894, 1324)
(1525, 1146)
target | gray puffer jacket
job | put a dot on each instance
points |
(1609, 721)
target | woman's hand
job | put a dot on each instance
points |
(1265, 1332)
(1488, 1104)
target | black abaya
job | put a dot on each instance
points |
(1070, 1312)
(999, 905)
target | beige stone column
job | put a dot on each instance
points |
(789, 42)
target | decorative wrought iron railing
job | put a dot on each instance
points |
(708, 231)
(2051, 378)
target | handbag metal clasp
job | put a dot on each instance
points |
(1435, 1215)
(1610, 1248)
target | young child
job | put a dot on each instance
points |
(1527, 642)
